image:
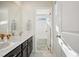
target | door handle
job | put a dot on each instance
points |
(63, 43)
(58, 36)
(66, 48)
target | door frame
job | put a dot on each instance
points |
(51, 33)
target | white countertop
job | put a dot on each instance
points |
(14, 43)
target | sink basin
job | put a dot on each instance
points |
(4, 45)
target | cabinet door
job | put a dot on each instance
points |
(24, 49)
(25, 52)
(19, 55)
(29, 43)
(29, 50)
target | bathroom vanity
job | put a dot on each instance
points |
(18, 47)
(23, 50)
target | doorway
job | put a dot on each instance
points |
(42, 30)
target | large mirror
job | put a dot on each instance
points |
(7, 20)
(4, 24)
(10, 19)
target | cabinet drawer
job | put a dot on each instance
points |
(29, 51)
(25, 52)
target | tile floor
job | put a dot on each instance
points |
(42, 50)
(42, 53)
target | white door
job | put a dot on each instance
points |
(42, 32)
(67, 29)
(70, 27)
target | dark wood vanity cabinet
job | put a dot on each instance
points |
(23, 50)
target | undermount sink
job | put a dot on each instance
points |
(4, 45)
